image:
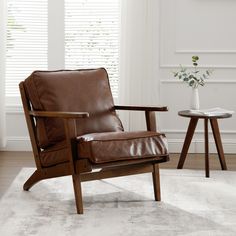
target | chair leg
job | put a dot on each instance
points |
(33, 179)
(156, 182)
(78, 193)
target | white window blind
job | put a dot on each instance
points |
(92, 36)
(26, 41)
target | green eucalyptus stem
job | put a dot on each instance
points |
(193, 78)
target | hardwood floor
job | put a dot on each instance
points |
(12, 162)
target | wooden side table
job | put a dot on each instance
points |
(194, 117)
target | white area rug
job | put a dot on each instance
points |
(191, 205)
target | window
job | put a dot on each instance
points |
(89, 36)
(92, 36)
(26, 41)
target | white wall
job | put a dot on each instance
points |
(184, 28)
(204, 28)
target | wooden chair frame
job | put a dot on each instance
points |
(81, 169)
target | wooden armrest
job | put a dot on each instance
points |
(149, 114)
(138, 108)
(59, 114)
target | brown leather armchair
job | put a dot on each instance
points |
(74, 129)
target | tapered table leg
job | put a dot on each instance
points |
(206, 147)
(219, 146)
(188, 138)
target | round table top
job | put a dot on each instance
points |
(192, 114)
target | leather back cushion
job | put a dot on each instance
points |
(76, 91)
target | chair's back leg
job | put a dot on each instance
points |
(78, 193)
(156, 182)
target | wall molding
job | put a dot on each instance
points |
(15, 143)
(170, 51)
(195, 51)
(183, 131)
(162, 65)
(217, 81)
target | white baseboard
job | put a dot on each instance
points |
(175, 145)
(18, 144)
(197, 146)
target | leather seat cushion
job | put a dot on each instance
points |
(116, 146)
(109, 146)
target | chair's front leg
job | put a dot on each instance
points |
(151, 120)
(70, 130)
(156, 182)
(78, 193)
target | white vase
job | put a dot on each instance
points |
(194, 105)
